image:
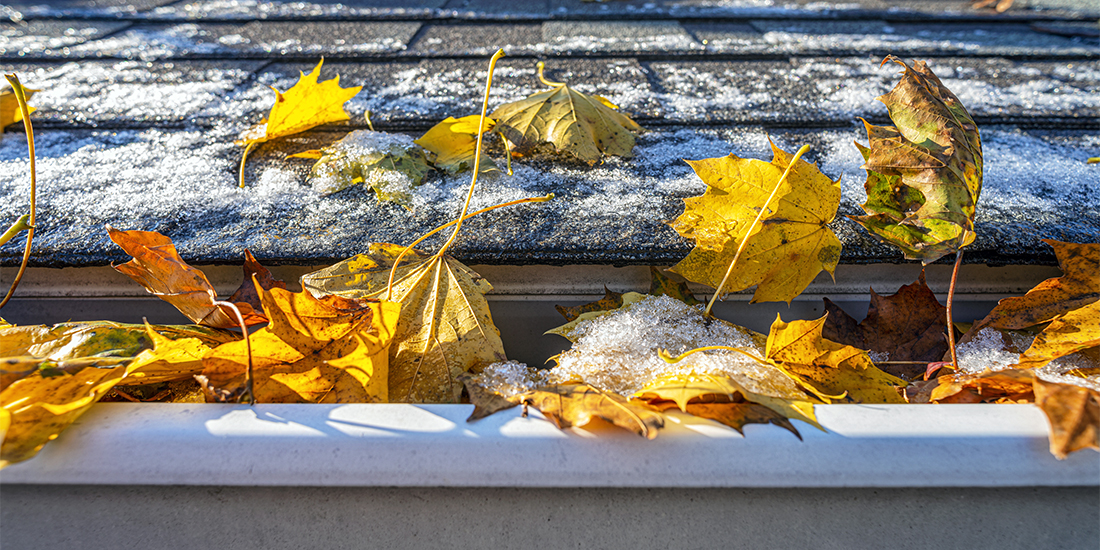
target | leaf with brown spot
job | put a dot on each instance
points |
(1074, 416)
(1003, 386)
(830, 367)
(782, 253)
(160, 269)
(663, 285)
(611, 300)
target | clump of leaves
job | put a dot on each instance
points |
(585, 126)
(762, 224)
(306, 105)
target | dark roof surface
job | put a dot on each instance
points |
(140, 103)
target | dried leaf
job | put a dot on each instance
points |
(328, 350)
(306, 105)
(1075, 331)
(160, 269)
(453, 143)
(1074, 416)
(924, 176)
(445, 327)
(611, 300)
(830, 367)
(391, 165)
(786, 250)
(569, 405)
(777, 394)
(661, 285)
(1078, 287)
(585, 126)
(909, 326)
(1003, 386)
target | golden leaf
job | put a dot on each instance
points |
(328, 350)
(445, 327)
(454, 143)
(1072, 332)
(775, 391)
(1003, 386)
(306, 105)
(830, 367)
(169, 360)
(584, 126)
(789, 246)
(9, 107)
(42, 405)
(1074, 416)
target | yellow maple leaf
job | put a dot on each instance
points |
(306, 105)
(1072, 332)
(454, 144)
(585, 126)
(445, 327)
(9, 107)
(784, 249)
(831, 367)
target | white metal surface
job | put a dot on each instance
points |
(433, 446)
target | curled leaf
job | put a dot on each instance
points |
(9, 107)
(390, 164)
(569, 405)
(1074, 416)
(924, 175)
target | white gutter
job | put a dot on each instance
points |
(433, 446)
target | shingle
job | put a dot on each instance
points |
(51, 38)
(617, 36)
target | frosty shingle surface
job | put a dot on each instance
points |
(51, 38)
(183, 184)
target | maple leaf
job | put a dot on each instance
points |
(924, 176)
(389, 164)
(1078, 287)
(453, 143)
(727, 397)
(611, 300)
(585, 126)
(169, 360)
(1074, 416)
(327, 350)
(1002, 386)
(1072, 332)
(909, 326)
(445, 328)
(160, 269)
(789, 245)
(831, 367)
(306, 105)
(9, 108)
(661, 285)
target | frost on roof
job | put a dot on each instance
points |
(183, 184)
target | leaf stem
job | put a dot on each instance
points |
(542, 78)
(763, 209)
(473, 180)
(507, 153)
(24, 111)
(244, 156)
(950, 304)
(369, 124)
(249, 396)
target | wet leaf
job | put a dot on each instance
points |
(909, 326)
(1070, 333)
(585, 126)
(453, 143)
(1078, 287)
(390, 165)
(445, 327)
(830, 367)
(924, 175)
(661, 285)
(786, 250)
(160, 269)
(307, 104)
(569, 405)
(1074, 416)
(327, 350)
(594, 310)
(42, 405)
(776, 392)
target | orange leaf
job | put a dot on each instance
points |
(1074, 416)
